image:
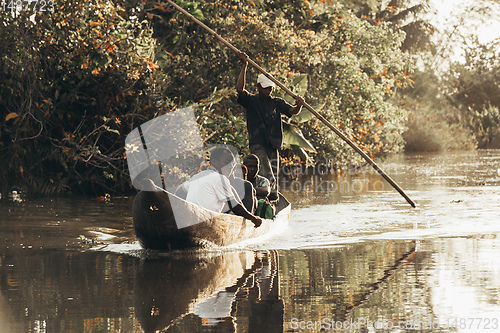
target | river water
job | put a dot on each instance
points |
(356, 257)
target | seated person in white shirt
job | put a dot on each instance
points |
(211, 188)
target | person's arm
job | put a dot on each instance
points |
(299, 102)
(240, 210)
(240, 85)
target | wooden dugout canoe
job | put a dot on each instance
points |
(156, 215)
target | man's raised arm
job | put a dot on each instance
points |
(240, 85)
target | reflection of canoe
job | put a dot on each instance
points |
(156, 215)
(169, 288)
(218, 290)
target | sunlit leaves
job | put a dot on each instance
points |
(81, 69)
(80, 77)
(474, 86)
(10, 116)
(352, 65)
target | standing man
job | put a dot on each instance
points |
(263, 112)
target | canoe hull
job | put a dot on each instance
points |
(157, 214)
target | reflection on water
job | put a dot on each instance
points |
(411, 283)
(66, 291)
(430, 285)
(227, 292)
(359, 256)
(468, 268)
(105, 292)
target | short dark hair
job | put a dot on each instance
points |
(251, 157)
(218, 153)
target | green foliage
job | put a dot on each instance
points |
(434, 124)
(73, 82)
(401, 15)
(487, 125)
(475, 83)
(218, 125)
(435, 127)
(450, 108)
(293, 138)
(458, 110)
(474, 89)
(353, 67)
(360, 72)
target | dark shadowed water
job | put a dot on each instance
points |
(354, 258)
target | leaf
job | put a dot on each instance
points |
(198, 14)
(110, 48)
(303, 116)
(298, 85)
(293, 136)
(10, 116)
(109, 129)
(302, 154)
(152, 65)
(306, 115)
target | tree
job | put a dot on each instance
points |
(72, 82)
(355, 68)
(75, 81)
(474, 89)
(453, 102)
(401, 15)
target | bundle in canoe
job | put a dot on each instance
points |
(156, 226)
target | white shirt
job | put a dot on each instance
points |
(209, 189)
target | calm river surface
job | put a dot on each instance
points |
(354, 258)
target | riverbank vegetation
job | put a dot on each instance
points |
(75, 81)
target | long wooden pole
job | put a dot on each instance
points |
(307, 106)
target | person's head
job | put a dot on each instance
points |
(264, 85)
(223, 160)
(240, 172)
(253, 165)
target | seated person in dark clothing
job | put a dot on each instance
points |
(244, 188)
(261, 184)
